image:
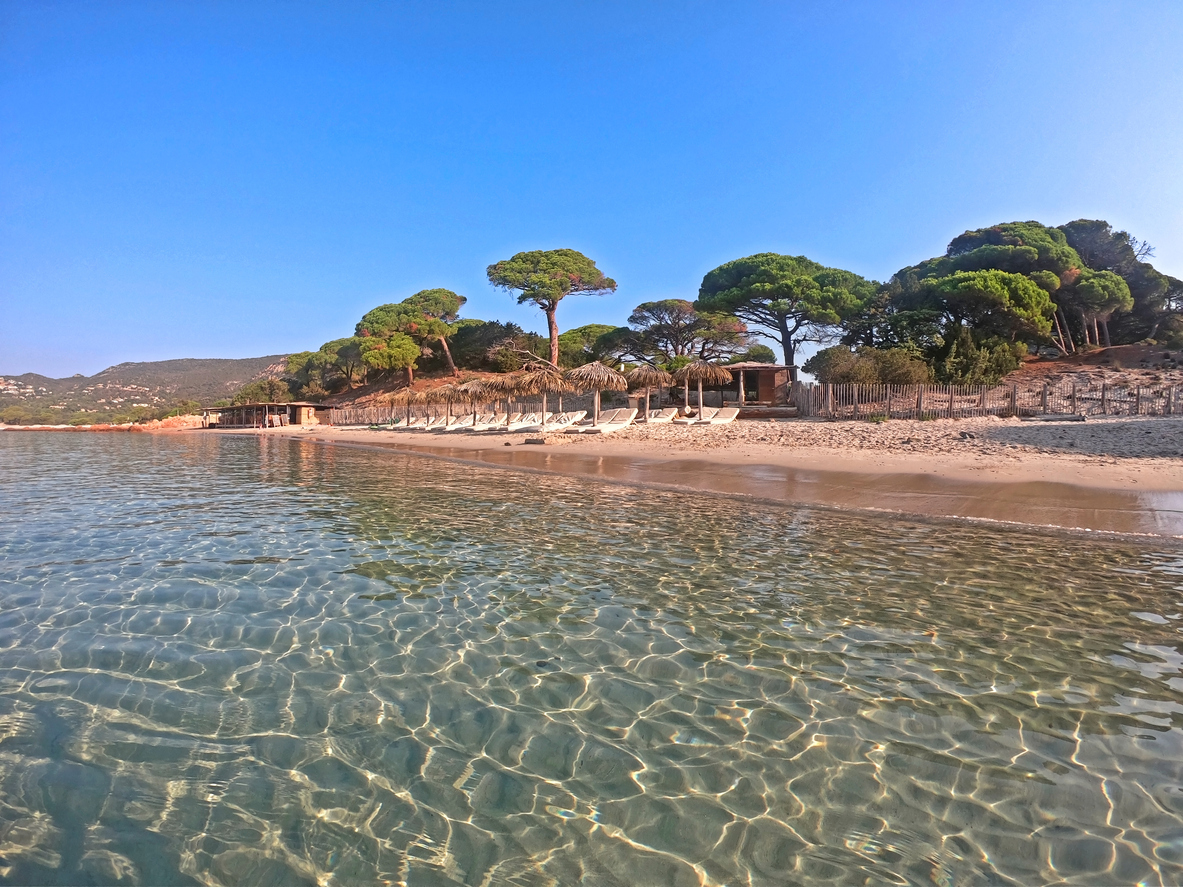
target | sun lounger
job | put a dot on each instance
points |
(558, 421)
(529, 420)
(722, 417)
(465, 423)
(499, 423)
(704, 416)
(660, 417)
(586, 425)
(623, 419)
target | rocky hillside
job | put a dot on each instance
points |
(150, 385)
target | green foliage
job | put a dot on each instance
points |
(968, 363)
(263, 391)
(790, 298)
(672, 328)
(868, 366)
(480, 345)
(578, 346)
(992, 303)
(754, 354)
(396, 351)
(546, 277)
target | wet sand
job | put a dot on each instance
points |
(1111, 476)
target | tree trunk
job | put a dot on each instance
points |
(1060, 332)
(1067, 330)
(448, 356)
(1096, 332)
(1105, 330)
(552, 326)
(410, 376)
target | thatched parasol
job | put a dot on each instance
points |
(649, 377)
(448, 394)
(596, 377)
(544, 379)
(703, 371)
(473, 391)
(504, 386)
(406, 396)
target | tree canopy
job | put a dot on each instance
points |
(426, 318)
(792, 299)
(546, 277)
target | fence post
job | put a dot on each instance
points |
(1137, 400)
(919, 401)
(1074, 398)
(1171, 400)
(1043, 399)
(829, 400)
(888, 401)
(854, 412)
(1014, 400)
(1104, 398)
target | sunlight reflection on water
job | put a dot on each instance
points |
(227, 660)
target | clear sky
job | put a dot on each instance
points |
(233, 179)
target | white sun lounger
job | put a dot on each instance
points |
(528, 421)
(498, 423)
(586, 425)
(659, 417)
(462, 423)
(722, 417)
(704, 416)
(558, 421)
(622, 419)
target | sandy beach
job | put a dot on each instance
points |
(1122, 475)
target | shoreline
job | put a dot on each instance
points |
(1094, 492)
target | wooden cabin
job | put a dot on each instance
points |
(763, 384)
(261, 415)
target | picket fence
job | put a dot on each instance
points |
(878, 402)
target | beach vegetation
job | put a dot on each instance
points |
(545, 278)
(426, 318)
(757, 353)
(790, 299)
(582, 345)
(264, 391)
(868, 366)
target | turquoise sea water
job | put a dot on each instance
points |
(226, 660)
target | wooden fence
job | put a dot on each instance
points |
(878, 402)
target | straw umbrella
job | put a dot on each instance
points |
(703, 371)
(596, 377)
(473, 391)
(448, 394)
(504, 386)
(649, 377)
(404, 396)
(544, 379)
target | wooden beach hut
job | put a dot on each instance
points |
(261, 415)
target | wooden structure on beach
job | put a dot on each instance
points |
(880, 402)
(261, 415)
(771, 380)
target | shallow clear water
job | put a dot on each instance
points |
(227, 660)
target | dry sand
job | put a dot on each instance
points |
(1122, 475)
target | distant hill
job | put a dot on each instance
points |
(156, 384)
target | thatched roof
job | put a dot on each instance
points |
(496, 387)
(543, 379)
(447, 393)
(403, 396)
(473, 390)
(646, 376)
(703, 371)
(596, 377)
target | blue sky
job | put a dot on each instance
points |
(234, 179)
